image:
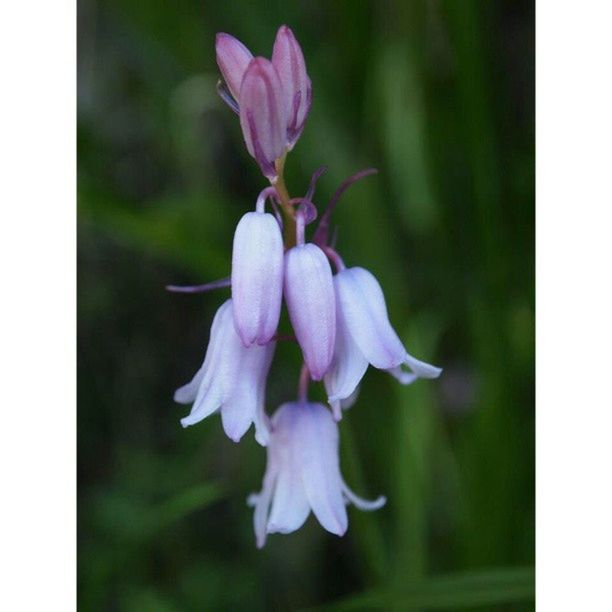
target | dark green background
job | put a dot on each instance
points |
(439, 95)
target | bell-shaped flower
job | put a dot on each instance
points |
(303, 474)
(232, 379)
(233, 59)
(257, 277)
(263, 115)
(288, 60)
(309, 293)
(365, 336)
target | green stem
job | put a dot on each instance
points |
(288, 212)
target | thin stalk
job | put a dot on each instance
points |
(285, 203)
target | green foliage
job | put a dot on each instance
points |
(437, 96)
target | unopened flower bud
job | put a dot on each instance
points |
(263, 116)
(257, 277)
(309, 293)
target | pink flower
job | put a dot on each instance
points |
(263, 115)
(309, 294)
(272, 98)
(303, 474)
(365, 336)
(232, 379)
(257, 276)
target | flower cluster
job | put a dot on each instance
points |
(339, 319)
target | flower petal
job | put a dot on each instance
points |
(309, 293)
(317, 445)
(263, 115)
(363, 305)
(233, 59)
(203, 390)
(245, 387)
(290, 507)
(288, 59)
(348, 364)
(422, 369)
(361, 503)
(257, 277)
(261, 502)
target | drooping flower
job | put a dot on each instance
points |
(303, 474)
(257, 275)
(232, 379)
(309, 293)
(364, 336)
(288, 60)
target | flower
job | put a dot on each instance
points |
(365, 336)
(232, 379)
(263, 115)
(309, 294)
(303, 474)
(257, 277)
(273, 98)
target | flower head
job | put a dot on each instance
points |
(232, 379)
(364, 336)
(303, 474)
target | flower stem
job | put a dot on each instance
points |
(303, 384)
(286, 207)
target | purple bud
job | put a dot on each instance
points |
(309, 293)
(233, 59)
(257, 277)
(262, 114)
(288, 59)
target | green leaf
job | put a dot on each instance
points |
(466, 589)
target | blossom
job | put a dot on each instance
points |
(303, 474)
(232, 379)
(309, 294)
(257, 276)
(263, 114)
(364, 336)
(273, 98)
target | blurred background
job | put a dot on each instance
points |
(439, 96)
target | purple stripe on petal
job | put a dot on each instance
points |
(263, 114)
(288, 59)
